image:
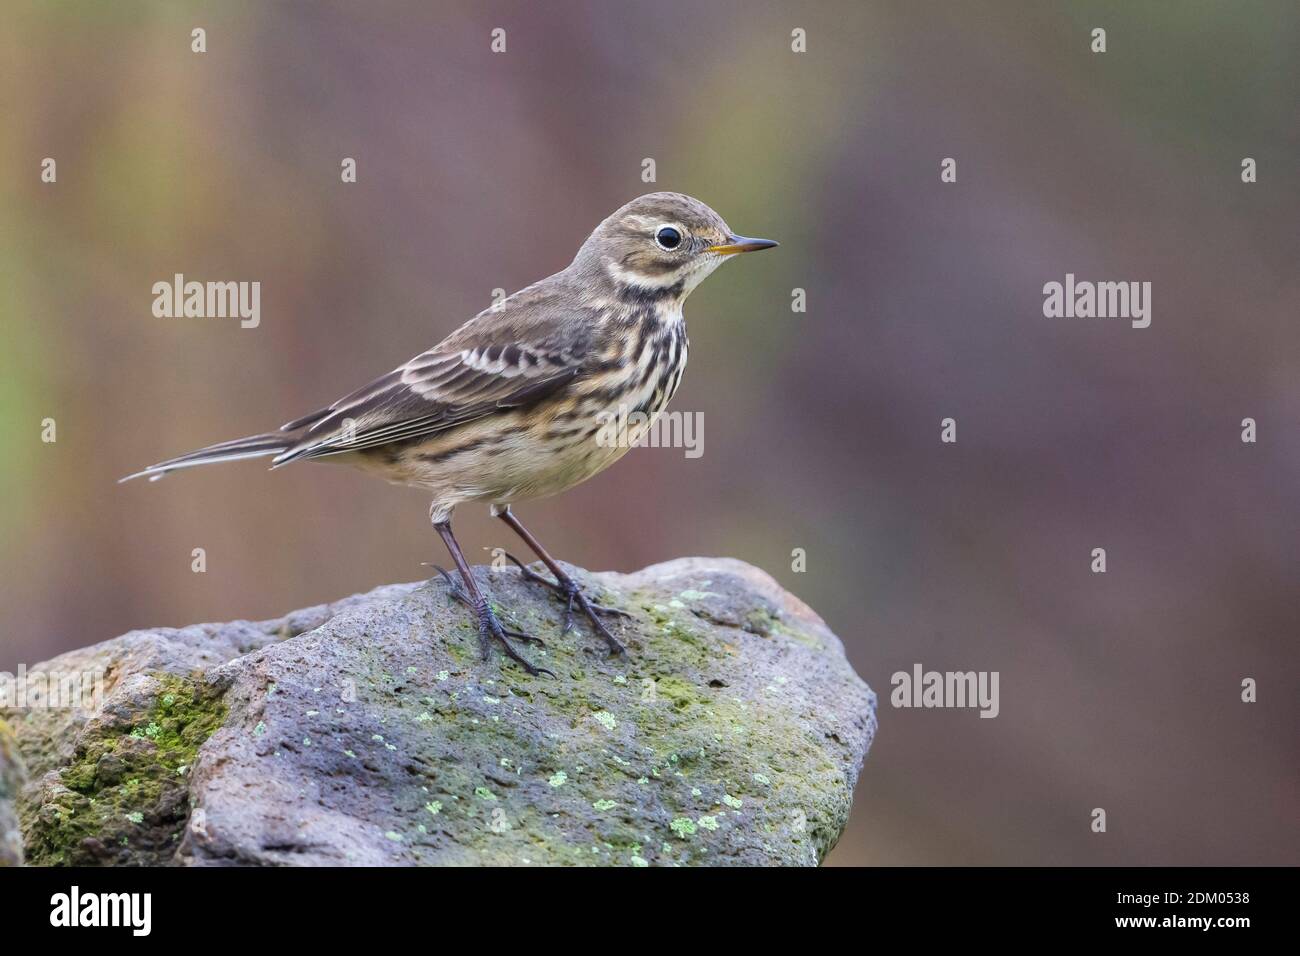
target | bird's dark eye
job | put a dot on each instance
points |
(668, 238)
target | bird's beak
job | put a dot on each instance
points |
(736, 244)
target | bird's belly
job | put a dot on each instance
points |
(550, 462)
(535, 452)
(503, 459)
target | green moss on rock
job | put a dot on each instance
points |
(125, 793)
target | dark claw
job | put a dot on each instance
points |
(521, 636)
(563, 591)
(611, 611)
(489, 627)
(453, 586)
(570, 591)
(531, 575)
(615, 645)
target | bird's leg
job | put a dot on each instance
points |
(455, 589)
(566, 586)
(489, 626)
(568, 593)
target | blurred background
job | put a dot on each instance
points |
(924, 301)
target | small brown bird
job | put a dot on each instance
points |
(515, 404)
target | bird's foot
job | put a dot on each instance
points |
(490, 627)
(571, 594)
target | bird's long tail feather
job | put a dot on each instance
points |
(254, 446)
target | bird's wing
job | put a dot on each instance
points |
(485, 367)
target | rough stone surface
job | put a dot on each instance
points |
(11, 781)
(370, 732)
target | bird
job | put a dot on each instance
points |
(515, 404)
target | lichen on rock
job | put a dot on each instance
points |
(370, 732)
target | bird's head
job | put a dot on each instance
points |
(662, 244)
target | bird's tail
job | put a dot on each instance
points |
(254, 446)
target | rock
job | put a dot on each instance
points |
(369, 732)
(11, 781)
